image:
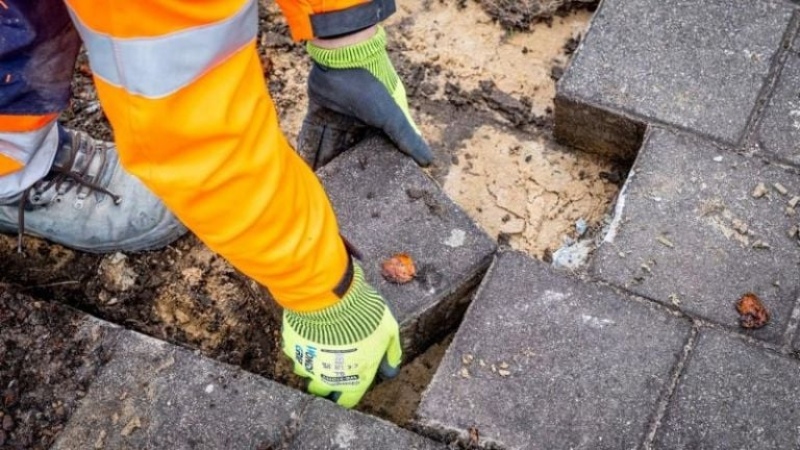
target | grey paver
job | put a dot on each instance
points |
(155, 395)
(326, 426)
(687, 227)
(733, 395)
(386, 205)
(695, 65)
(585, 368)
(779, 130)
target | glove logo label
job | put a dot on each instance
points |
(305, 358)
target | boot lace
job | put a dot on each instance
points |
(74, 173)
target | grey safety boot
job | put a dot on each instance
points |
(88, 202)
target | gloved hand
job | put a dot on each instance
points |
(340, 348)
(349, 87)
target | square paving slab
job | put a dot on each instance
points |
(155, 395)
(698, 65)
(544, 360)
(733, 395)
(779, 131)
(387, 205)
(697, 227)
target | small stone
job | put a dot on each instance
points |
(8, 423)
(718, 159)
(132, 426)
(513, 226)
(504, 365)
(780, 188)
(740, 226)
(503, 373)
(674, 299)
(664, 241)
(494, 368)
(464, 372)
(761, 245)
(467, 359)
(794, 231)
(192, 275)
(794, 201)
(790, 211)
(482, 363)
(759, 191)
(100, 442)
(181, 316)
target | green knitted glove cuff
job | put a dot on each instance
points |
(369, 55)
(351, 320)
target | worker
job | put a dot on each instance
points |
(197, 134)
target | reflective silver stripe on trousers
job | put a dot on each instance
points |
(158, 66)
(36, 150)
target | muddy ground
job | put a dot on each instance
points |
(481, 83)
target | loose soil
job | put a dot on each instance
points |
(481, 80)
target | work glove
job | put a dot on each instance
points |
(342, 347)
(350, 88)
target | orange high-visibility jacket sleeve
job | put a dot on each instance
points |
(183, 88)
(328, 18)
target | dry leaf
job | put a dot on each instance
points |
(752, 312)
(399, 269)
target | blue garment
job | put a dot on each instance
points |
(38, 47)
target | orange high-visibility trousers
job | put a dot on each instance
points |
(183, 88)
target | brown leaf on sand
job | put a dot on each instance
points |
(752, 312)
(399, 269)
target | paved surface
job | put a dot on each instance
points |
(546, 361)
(387, 205)
(695, 65)
(704, 96)
(734, 395)
(688, 232)
(642, 350)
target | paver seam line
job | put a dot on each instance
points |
(749, 136)
(783, 348)
(791, 327)
(669, 391)
(432, 429)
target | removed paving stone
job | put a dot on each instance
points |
(725, 242)
(779, 130)
(387, 205)
(544, 360)
(733, 395)
(695, 65)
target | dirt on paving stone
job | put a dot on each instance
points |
(480, 76)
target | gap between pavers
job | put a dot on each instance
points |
(779, 130)
(689, 233)
(386, 205)
(733, 394)
(701, 66)
(544, 360)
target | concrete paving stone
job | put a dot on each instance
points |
(156, 395)
(387, 205)
(688, 232)
(696, 65)
(779, 130)
(544, 360)
(733, 395)
(326, 426)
